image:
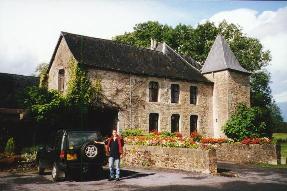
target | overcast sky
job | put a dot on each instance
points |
(29, 29)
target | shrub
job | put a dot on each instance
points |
(30, 150)
(10, 146)
(29, 154)
(167, 134)
(161, 141)
(132, 132)
(245, 122)
(195, 136)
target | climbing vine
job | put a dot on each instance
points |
(80, 91)
(70, 109)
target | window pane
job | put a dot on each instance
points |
(153, 91)
(193, 94)
(174, 93)
(193, 123)
(153, 122)
(175, 123)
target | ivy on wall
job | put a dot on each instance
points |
(51, 109)
(80, 92)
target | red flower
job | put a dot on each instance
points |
(177, 134)
(210, 140)
(248, 140)
(156, 132)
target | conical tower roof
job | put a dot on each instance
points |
(221, 58)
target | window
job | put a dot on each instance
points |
(193, 123)
(174, 93)
(61, 80)
(153, 122)
(193, 95)
(175, 123)
(153, 91)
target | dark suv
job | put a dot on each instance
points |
(73, 152)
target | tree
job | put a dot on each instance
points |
(246, 122)
(41, 71)
(196, 43)
(260, 90)
(49, 108)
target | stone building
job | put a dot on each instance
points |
(155, 88)
(13, 119)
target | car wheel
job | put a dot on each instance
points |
(41, 169)
(57, 174)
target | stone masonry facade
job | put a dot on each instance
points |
(216, 100)
(230, 89)
(61, 61)
(134, 112)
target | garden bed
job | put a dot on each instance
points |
(249, 150)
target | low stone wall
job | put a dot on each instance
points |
(241, 153)
(189, 159)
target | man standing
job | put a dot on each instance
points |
(115, 149)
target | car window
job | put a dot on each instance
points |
(78, 138)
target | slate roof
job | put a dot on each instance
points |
(170, 52)
(221, 57)
(111, 55)
(13, 87)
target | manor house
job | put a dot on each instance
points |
(155, 89)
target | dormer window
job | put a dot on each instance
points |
(153, 91)
(61, 80)
(174, 93)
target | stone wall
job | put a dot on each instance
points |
(188, 159)
(239, 90)
(241, 153)
(131, 94)
(61, 61)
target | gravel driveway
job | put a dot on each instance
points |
(240, 177)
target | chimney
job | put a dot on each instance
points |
(153, 44)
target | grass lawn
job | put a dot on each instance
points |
(282, 136)
(271, 166)
(279, 135)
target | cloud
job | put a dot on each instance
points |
(29, 29)
(270, 27)
(245, 17)
(281, 97)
